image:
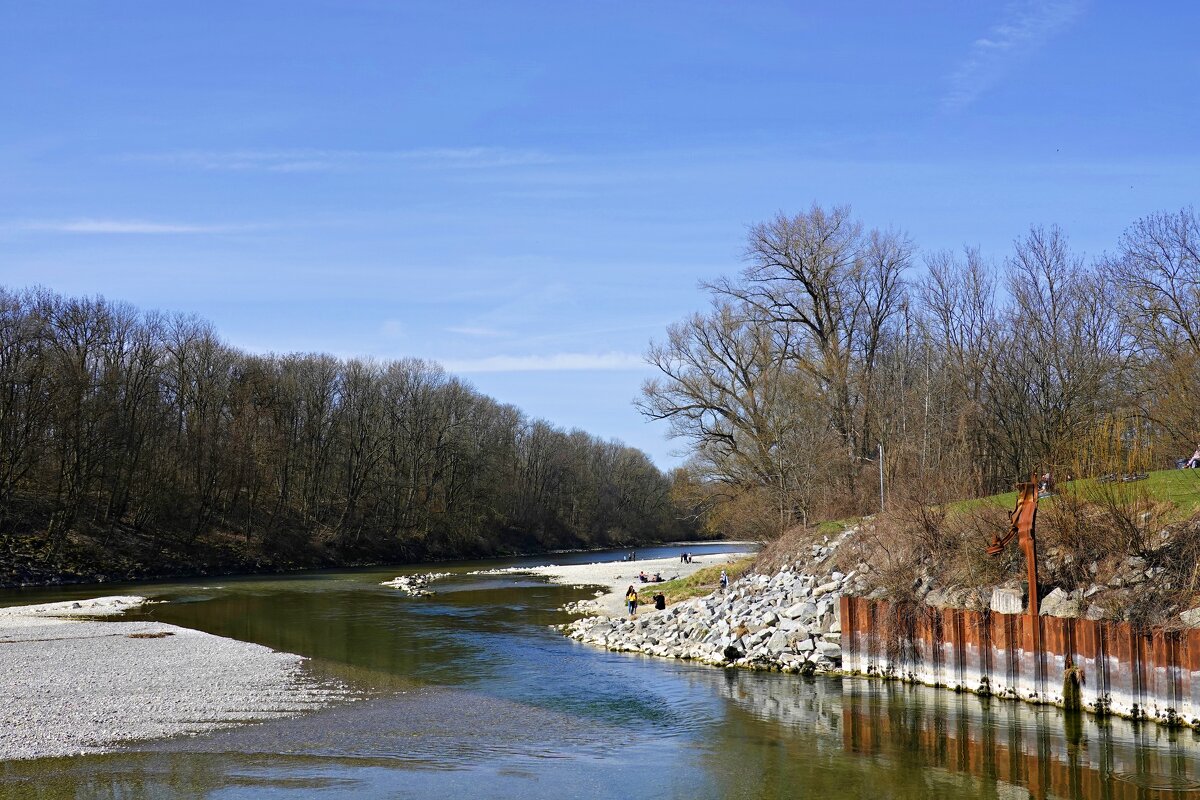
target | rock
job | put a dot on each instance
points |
(830, 650)
(778, 642)
(1191, 617)
(1006, 600)
(1059, 604)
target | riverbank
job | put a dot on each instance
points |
(72, 684)
(788, 621)
(612, 578)
(20, 570)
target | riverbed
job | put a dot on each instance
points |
(471, 692)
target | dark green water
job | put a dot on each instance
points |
(469, 693)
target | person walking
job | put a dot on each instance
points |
(724, 581)
(631, 600)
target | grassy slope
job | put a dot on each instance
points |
(1178, 487)
(703, 581)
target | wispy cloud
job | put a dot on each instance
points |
(116, 226)
(317, 160)
(489, 333)
(392, 329)
(1026, 26)
(554, 362)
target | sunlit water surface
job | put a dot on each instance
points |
(471, 693)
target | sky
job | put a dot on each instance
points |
(530, 192)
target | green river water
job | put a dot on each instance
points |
(471, 693)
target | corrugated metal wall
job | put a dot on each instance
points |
(1151, 674)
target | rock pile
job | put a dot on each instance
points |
(414, 585)
(789, 621)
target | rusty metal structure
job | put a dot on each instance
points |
(1134, 672)
(1023, 526)
(1124, 669)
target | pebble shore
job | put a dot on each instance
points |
(71, 686)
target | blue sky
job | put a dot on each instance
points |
(530, 192)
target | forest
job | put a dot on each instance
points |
(837, 342)
(139, 443)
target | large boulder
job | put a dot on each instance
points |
(1060, 603)
(1007, 600)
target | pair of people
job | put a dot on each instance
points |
(631, 600)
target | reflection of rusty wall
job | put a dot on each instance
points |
(1046, 755)
(1153, 674)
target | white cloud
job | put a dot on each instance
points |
(315, 160)
(119, 226)
(1027, 25)
(554, 362)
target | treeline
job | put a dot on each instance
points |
(836, 338)
(138, 442)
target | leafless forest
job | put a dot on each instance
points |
(139, 443)
(836, 338)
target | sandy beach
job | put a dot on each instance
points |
(613, 577)
(70, 686)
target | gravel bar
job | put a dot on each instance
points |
(74, 686)
(615, 576)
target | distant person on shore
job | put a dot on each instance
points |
(660, 601)
(631, 600)
(683, 558)
(724, 580)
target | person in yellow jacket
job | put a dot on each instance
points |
(631, 600)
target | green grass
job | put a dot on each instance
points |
(703, 581)
(832, 527)
(1179, 487)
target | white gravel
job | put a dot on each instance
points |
(616, 576)
(71, 686)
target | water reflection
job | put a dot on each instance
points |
(935, 743)
(470, 693)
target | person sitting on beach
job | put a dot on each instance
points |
(658, 577)
(642, 577)
(631, 600)
(660, 601)
(1194, 461)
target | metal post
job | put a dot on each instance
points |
(881, 476)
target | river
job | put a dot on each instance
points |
(470, 693)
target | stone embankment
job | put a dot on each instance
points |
(788, 621)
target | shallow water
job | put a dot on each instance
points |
(470, 693)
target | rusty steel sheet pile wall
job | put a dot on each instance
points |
(1152, 674)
